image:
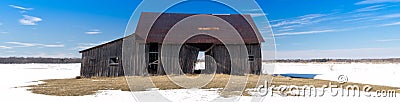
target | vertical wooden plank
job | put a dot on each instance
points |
(187, 58)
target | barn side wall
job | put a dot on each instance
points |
(256, 64)
(222, 58)
(96, 61)
(135, 58)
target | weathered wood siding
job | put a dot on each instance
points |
(187, 58)
(135, 59)
(95, 62)
(256, 64)
(222, 58)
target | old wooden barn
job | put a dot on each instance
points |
(110, 59)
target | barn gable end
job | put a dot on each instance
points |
(106, 59)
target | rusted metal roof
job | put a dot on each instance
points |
(244, 24)
(157, 31)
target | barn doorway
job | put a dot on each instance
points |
(203, 50)
(200, 64)
(153, 58)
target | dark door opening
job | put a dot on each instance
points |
(153, 59)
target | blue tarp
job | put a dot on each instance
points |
(306, 76)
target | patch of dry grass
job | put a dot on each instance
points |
(88, 86)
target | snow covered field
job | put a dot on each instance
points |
(376, 74)
(14, 75)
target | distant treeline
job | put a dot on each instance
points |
(389, 60)
(19, 60)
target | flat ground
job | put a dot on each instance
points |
(88, 86)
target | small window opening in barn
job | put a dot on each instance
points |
(113, 61)
(200, 63)
(251, 57)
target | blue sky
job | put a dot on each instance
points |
(303, 28)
